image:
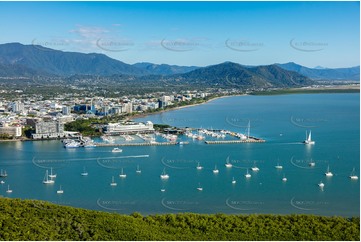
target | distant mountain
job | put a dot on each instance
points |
(352, 73)
(18, 60)
(55, 62)
(235, 75)
(164, 69)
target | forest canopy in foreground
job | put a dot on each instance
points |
(38, 220)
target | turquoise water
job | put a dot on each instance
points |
(281, 120)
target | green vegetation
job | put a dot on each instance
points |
(161, 127)
(5, 136)
(37, 220)
(84, 126)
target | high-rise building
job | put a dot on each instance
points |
(17, 107)
(66, 110)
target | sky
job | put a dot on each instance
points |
(312, 34)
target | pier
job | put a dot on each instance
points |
(141, 144)
(250, 140)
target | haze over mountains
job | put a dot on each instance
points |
(33, 60)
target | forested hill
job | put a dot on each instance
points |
(36, 220)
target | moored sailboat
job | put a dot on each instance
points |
(308, 140)
(46, 179)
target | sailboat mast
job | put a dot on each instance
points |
(249, 128)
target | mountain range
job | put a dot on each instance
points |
(33, 60)
(321, 73)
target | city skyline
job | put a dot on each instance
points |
(192, 33)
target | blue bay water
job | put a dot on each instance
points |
(281, 120)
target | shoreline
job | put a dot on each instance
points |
(142, 115)
(300, 90)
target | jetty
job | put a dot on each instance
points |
(249, 140)
(141, 144)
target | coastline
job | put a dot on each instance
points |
(142, 115)
(300, 90)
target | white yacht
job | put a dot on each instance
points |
(228, 165)
(3, 173)
(122, 174)
(51, 174)
(215, 170)
(255, 168)
(308, 140)
(60, 191)
(84, 173)
(199, 167)
(113, 183)
(117, 150)
(278, 166)
(233, 180)
(328, 173)
(138, 170)
(164, 175)
(248, 175)
(9, 191)
(321, 184)
(46, 179)
(312, 163)
(72, 144)
(2, 182)
(199, 188)
(353, 176)
(284, 178)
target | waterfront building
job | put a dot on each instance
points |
(14, 131)
(117, 128)
(51, 129)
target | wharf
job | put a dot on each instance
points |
(250, 140)
(141, 144)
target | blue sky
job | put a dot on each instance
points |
(192, 33)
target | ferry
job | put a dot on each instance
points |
(72, 144)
